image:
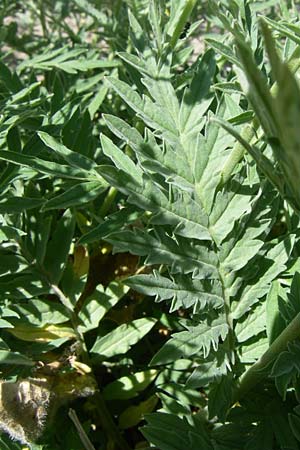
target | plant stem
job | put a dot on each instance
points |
(257, 372)
(230, 339)
(104, 415)
(82, 434)
(249, 131)
(109, 425)
(110, 428)
(62, 298)
(238, 151)
(43, 19)
(108, 201)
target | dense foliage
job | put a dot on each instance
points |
(149, 208)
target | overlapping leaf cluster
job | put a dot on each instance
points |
(220, 262)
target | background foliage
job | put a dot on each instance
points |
(149, 207)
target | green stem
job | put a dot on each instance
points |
(284, 10)
(105, 418)
(257, 372)
(109, 427)
(62, 298)
(238, 151)
(108, 201)
(117, 7)
(250, 130)
(43, 19)
(230, 340)
(107, 422)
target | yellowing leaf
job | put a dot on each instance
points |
(134, 414)
(130, 386)
(81, 261)
(46, 334)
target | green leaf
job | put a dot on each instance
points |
(183, 291)
(113, 223)
(270, 267)
(251, 352)
(172, 405)
(258, 91)
(9, 445)
(16, 205)
(124, 131)
(287, 108)
(274, 321)
(155, 116)
(40, 312)
(134, 414)
(285, 29)
(7, 232)
(97, 101)
(23, 285)
(69, 61)
(220, 397)
(262, 437)
(74, 159)
(11, 262)
(180, 13)
(137, 34)
(294, 422)
(45, 166)
(197, 340)
(181, 255)
(87, 7)
(208, 156)
(170, 163)
(284, 364)
(155, 19)
(59, 247)
(224, 50)
(208, 371)
(193, 106)
(10, 78)
(5, 324)
(98, 304)
(252, 325)
(179, 210)
(79, 194)
(228, 207)
(135, 62)
(264, 164)
(236, 253)
(120, 340)
(9, 357)
(280, 426)
(164, 94)
(129, 386)
(122, 161)
(184, 396)
(169, 432)
(38, 227)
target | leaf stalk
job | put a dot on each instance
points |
(257, 371)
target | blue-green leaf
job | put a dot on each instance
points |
(121, 339)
